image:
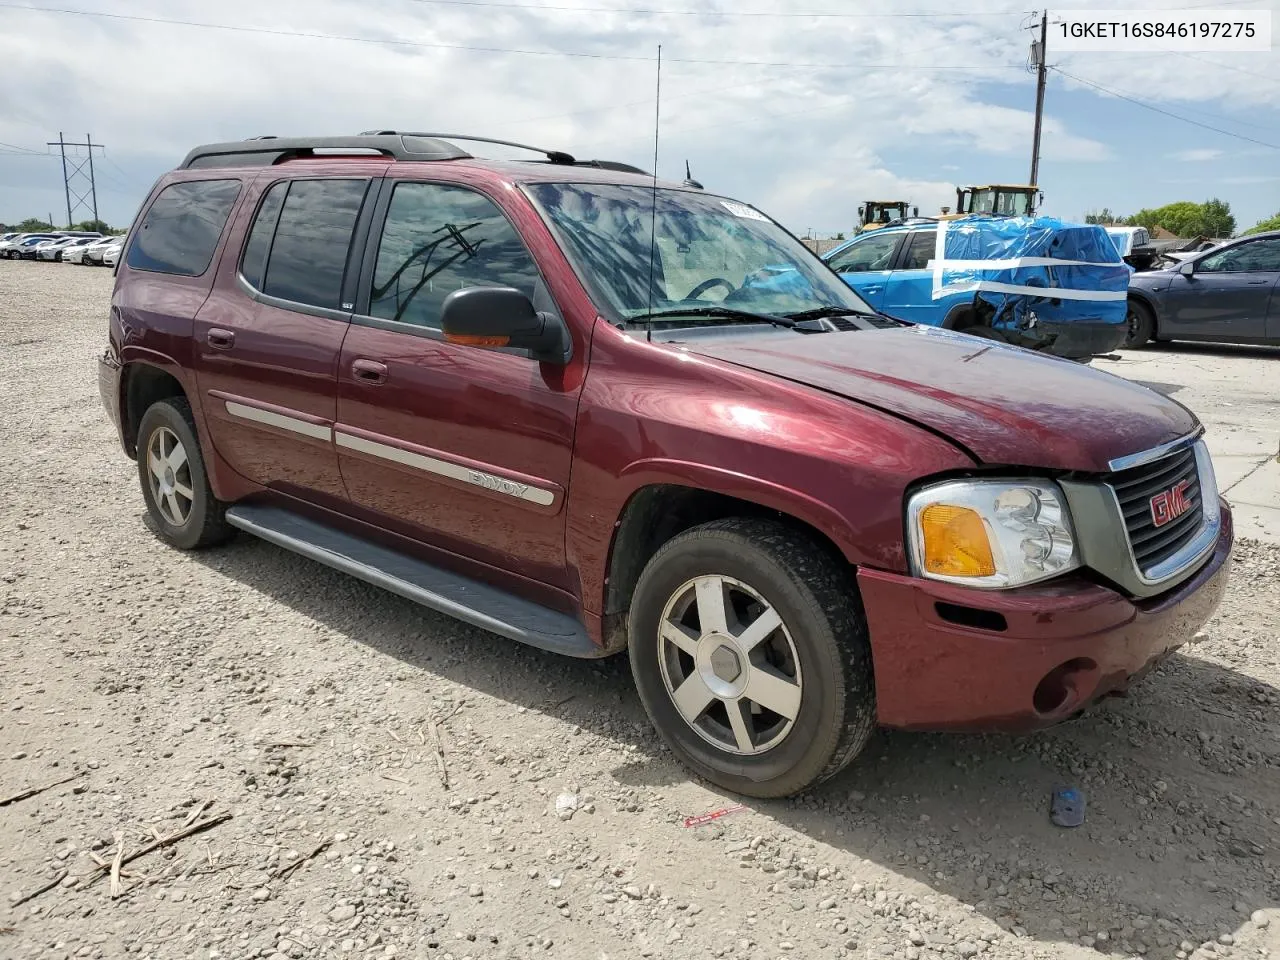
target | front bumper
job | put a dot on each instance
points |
(1064, 644)
(1081, 339)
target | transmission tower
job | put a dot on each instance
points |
(77, 176)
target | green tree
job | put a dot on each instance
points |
(32, 225)
(93, 226)
(1271, 223)
(1218, 220)
(1184, 218)
(1103, 216)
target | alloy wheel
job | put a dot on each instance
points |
(170, 475)
(729, 665)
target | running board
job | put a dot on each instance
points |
(468, 600)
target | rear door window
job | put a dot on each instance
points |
(254, 262)
(308, 253)
(181, 229)
(920, 250)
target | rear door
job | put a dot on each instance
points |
(909, 290)
(268, 340)
(1229, 295)
(864, 264)
(465, 449)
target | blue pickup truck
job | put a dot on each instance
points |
(1036, 282)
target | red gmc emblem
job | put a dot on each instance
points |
(1170, 504)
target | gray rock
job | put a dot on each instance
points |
(566, 805)
(342, 912)
(967, 948)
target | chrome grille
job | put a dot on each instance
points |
(1134, 489)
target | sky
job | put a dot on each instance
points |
(801, 114)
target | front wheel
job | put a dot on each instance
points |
(750, 654)
(1140, 324)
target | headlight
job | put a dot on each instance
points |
(990, 533)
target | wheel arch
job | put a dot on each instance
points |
(1144, 298)
(142, 383)
(659, 511)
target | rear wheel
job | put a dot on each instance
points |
(1140, 322)
(750, 653)
(174, 484)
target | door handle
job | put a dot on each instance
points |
(369, 371)
(220, 339)
(1257, 283)
(872, 288)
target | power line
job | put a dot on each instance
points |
(235, 28)
(18, 149)
(1227, 66)
(1155, 109)
(808, 14)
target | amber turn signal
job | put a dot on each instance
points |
(955, 542)
(465, 340)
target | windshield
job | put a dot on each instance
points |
(709, 252)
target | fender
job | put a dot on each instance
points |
(766, 493)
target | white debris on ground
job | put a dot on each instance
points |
(249, 684)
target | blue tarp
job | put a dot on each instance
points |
(1032, 270)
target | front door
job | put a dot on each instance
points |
(1228, 295)
(864, 264)
(269, 337)
(462, 448)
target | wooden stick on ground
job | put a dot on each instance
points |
(25, 794)
(195, 813)
(289, 868)
(45, 889)
(198, 827)
(439, 748)
(117, 887)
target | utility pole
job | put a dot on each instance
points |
(77, 184)
(1042, 72)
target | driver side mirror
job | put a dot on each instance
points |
(504, 317)
(1187, 268)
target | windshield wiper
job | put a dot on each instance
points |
(831, 311)
(724, 313)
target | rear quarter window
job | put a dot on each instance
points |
(180, 231)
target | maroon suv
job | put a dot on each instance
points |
(586, 410)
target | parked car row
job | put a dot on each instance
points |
(65, 246)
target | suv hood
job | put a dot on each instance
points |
(1003, 404)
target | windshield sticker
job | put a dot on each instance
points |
(743, 211)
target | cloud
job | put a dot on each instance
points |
(805, 116)
(1198, 155)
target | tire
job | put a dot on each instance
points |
(821, 641)
(203, 521)
(1141, 323)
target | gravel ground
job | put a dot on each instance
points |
(308, 707)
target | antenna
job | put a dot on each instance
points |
(653, 215)
(688, 178)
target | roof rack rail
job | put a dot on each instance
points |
(265, 151)
(611, 165)
(899, 221)
(555, 156)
